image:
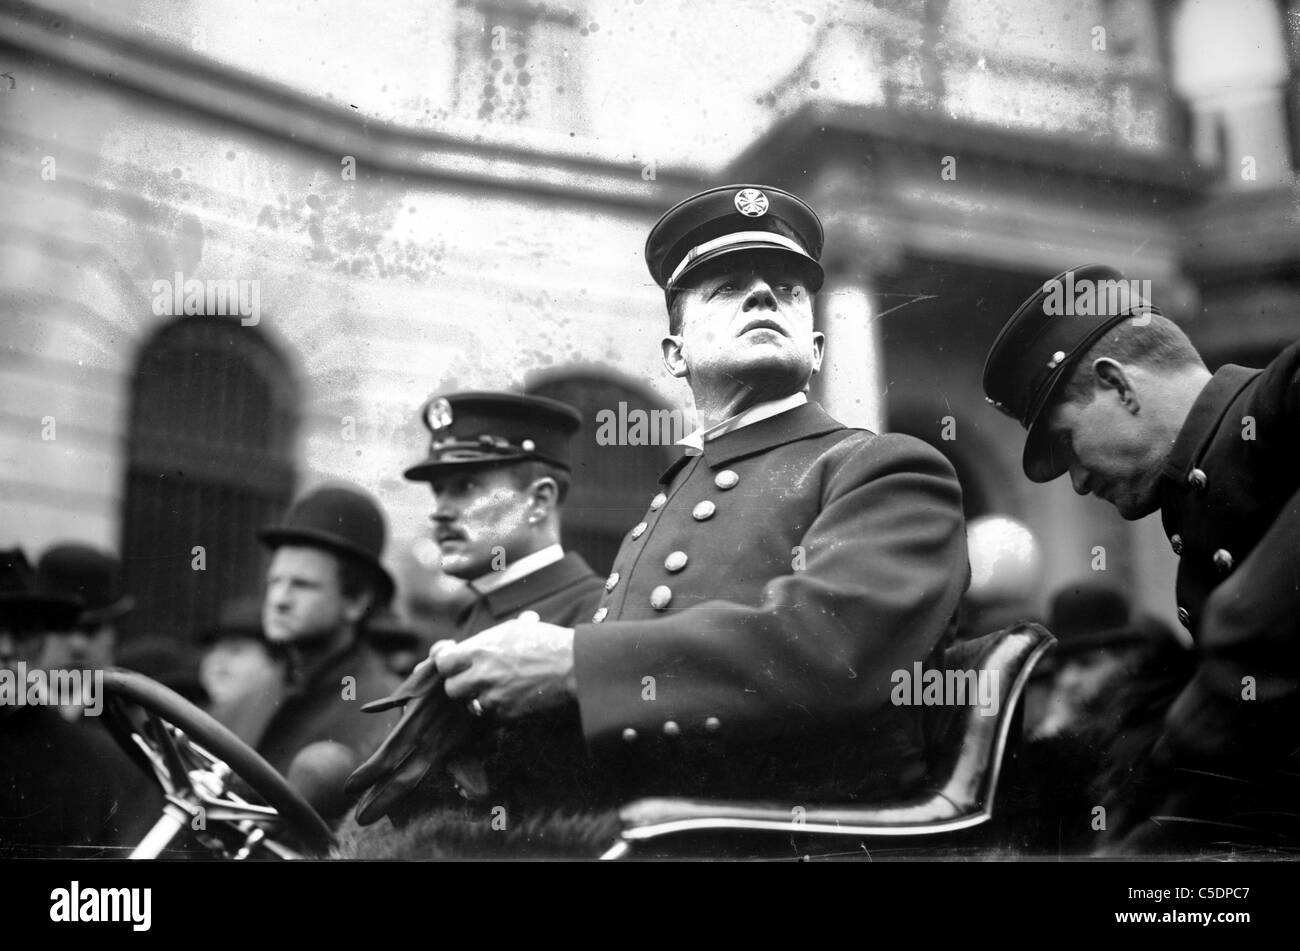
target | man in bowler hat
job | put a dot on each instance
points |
(95, 578)
(325, 578)
(66, 790)
(786, 564)
(1113, 394)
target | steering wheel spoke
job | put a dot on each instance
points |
(207, 775)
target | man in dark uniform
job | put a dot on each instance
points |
(499, 471)
(1114, 394)
(784, 570)
(324, 580)
(66, 789)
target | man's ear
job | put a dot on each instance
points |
(1110, 375)
(819, 350)
(674, 358)
(544, 495)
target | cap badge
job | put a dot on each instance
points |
(438, 414)
(751, 202)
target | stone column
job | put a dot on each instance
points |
(852, 383)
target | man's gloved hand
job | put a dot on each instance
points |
(428, 750)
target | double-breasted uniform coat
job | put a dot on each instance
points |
(1231, 509)
(752, 621)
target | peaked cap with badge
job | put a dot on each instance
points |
(476, 429)
(729, 220)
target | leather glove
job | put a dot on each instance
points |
(429, 749)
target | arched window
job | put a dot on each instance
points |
(612, 481)
(210, 461)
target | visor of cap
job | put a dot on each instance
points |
(809, 267)
(1039, 461)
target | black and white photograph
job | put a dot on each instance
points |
(650, 430)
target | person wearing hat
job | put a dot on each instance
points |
(1089, 706)
(66, 789)
(785, 566)
(325, 578)
(499, 469)
(94, 577)
(1099, 644)
(1113, 394)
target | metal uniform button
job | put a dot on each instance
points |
(611, 581)
(660, 597)
(675, 562)
(1176, 543)
(1197, 479)
(726, 479)
(629, 735)
(671, 728)
(703, 511)
(639, 530)
(599, 615)
(712, 724)
(1223, 560)
(1184, 618)
(658, 502)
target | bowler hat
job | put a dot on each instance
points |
(340, 519)
(1089, 615)
(1038, 348)
(28, 604)
(93, 576)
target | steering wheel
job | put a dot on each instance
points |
(206, 772)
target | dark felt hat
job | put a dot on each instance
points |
(340, 519)
(87, 573)
(729, 220)
(26, 602)
(1089, 615)
(475, 429)
(1038, 348)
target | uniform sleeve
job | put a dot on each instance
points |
(877, 577)
(1242, 702)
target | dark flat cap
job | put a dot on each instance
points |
(729, 220)
(1040, 345)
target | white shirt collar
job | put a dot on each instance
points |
(485, 584)
(694, 442)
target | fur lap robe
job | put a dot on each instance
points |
(456, 832)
